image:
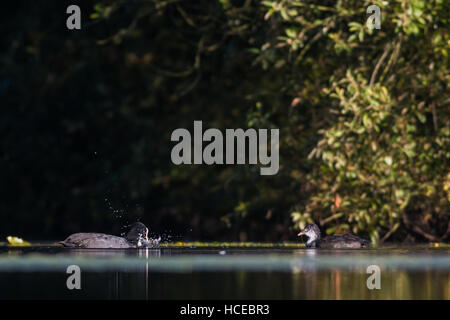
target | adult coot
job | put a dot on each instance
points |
(137, 237)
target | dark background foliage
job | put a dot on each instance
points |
(86, 118)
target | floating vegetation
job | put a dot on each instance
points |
(16, 241)
(215, 244)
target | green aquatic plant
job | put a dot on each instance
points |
(16, 241)
(218, 244)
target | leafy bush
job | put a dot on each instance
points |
(363, 116)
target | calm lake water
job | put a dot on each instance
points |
(225, 272)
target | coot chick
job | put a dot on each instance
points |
(137, 237)
(312, 232)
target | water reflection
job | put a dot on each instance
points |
(226, 285)
(174, 273)
(101, 253)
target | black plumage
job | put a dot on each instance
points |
(135, 238)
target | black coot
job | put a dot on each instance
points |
(137, 237)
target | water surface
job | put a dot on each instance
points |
(225, 271)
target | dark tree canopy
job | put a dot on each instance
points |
(87, 115)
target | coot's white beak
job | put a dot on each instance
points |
(302, 233)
